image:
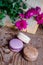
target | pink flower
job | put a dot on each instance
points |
(32, 12)
(38, 9)
(21, 15)
(39, 19)
(21, 24)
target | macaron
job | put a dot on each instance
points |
(16, 45)
(23, 37)
(30, 53)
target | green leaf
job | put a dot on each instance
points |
(1, 3)
(15, 0)
(24, 6)
(11, 8)
(20, 11)
(1, 15)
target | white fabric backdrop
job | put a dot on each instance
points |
(34, 3)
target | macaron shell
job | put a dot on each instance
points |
(17, 50)
(30, 53)
(29, 49)
(30, 59)
(23, 37)
(16, 44)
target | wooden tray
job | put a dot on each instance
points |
(7, 57)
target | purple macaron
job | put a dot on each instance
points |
(16, 45)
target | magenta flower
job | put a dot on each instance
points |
(32, 12)
(29, 13)
(21, 24)
(21, 15)
(39, 19)
(38, 9)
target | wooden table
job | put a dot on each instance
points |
(7, 57)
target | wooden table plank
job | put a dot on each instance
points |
(17, 58)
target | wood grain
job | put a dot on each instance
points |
(12, 58)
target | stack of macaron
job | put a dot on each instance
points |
(30, 53)
(17, 44)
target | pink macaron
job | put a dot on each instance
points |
(16, 45)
